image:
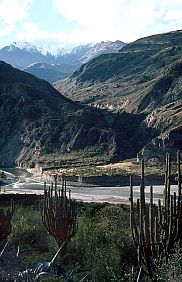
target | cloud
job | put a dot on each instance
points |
(54, 40)
(7, 29)
(93, 20)
(120, 19)
(12, 12)
(32, 33)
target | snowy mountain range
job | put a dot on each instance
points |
(44, 49)
(23, 54)
(52, 64)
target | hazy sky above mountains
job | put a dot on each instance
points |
(64, 23)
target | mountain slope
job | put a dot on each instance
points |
(115, 80)
(50, 72)
(144, 77)
(37, 124)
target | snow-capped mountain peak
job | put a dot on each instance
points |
(25, 46)
(22, 54)
(46, 49)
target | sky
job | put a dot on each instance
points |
(67, 23)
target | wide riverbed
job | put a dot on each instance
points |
(118, 194)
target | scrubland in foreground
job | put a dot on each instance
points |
(102, 247)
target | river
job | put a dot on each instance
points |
(26, 183)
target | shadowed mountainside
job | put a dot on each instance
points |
(37, 124)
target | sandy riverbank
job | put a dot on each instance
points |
(34, 184)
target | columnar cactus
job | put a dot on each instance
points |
(156, 230)
(59, 214)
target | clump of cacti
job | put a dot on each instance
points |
(59, 213)
(156, 229)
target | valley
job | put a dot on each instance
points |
(117, 115)
(90, 141)
(115, 107)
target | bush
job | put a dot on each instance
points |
(27, 229)
(172, 271)
(103, 243)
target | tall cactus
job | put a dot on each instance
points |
(59, 214)
(156, 229)
(5, 222)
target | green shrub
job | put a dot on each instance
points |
(172, 271)
(103, 242)
(27, 229)
(102, 245)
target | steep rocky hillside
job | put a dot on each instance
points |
(167, 121)
(144, 77)
(37, 124)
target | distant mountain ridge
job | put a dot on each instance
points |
(83, 53)
(60, 64)
(22, 54)
(50, 72)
